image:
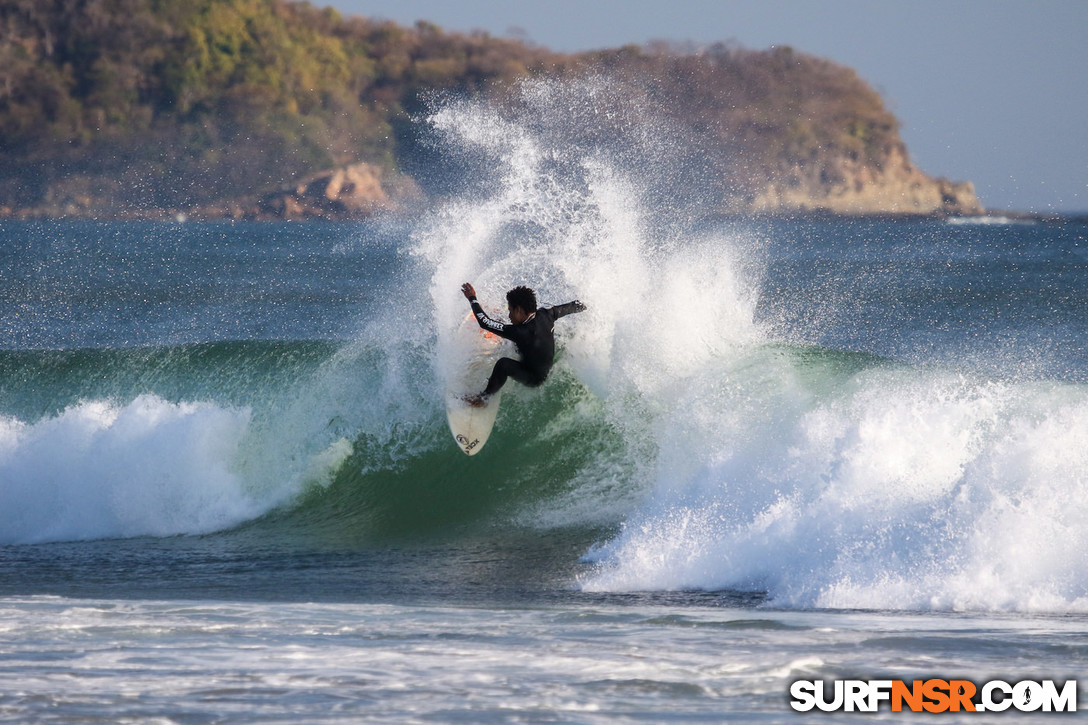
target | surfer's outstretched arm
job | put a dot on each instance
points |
(568, 309)
(485, 322)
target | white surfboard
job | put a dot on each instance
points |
(476, 351)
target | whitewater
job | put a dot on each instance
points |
(769, 449)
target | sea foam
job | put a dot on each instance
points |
(910, 490)
(98, 469)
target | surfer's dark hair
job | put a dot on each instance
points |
(522, 297)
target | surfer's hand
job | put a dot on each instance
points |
(468, 291)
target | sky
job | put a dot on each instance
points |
(989, 91)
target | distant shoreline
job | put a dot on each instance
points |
(177, 216)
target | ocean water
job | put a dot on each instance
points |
(770, 450)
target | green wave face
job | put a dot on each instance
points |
(341, 445)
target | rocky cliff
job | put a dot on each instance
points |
(139, 108)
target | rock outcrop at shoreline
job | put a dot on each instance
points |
(896, 187)
(354, 191)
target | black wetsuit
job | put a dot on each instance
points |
(534, 339)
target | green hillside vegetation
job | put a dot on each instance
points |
(123, 106)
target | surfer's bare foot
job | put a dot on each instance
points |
(476, 401)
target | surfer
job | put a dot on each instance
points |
(532, 332)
